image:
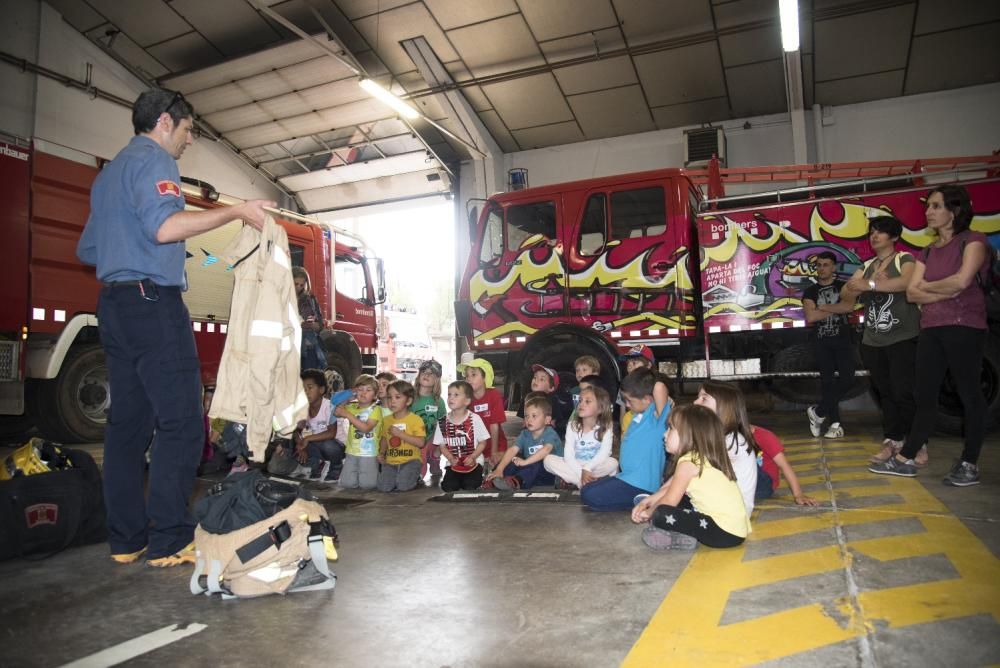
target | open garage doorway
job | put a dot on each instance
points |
(416, 240)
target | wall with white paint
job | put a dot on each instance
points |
(64, 116)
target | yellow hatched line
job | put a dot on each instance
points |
(685, 629)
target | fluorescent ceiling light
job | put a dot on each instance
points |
(388, 98)
(789, 10)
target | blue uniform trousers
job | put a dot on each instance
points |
(154, 374)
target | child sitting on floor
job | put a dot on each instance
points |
(461, 438)
(546, 380)
(401, 452)
(430, 408)
(725, 398)
(701, 502)
(642, 455)
(589, 437)
(363, 435)
(317, 434)
(384, 378)
(522, 463)
(638, 356)
(585, 365)
(488, 404)
(727, 402)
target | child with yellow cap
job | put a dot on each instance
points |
(488, 404)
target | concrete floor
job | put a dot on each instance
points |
(886, 572)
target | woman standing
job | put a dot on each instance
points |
(952, 332)
(312, 321)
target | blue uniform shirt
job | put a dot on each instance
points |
(643, 455)
(129, 200)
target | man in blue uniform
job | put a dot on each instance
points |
(135, 237)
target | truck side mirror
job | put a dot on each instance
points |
(380, 281)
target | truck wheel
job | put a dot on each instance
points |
(73, 407)
(15, 428)
(804, 390)
(560, 352)
(950, 412)
(337, 364)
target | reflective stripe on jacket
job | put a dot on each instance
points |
(258, 381)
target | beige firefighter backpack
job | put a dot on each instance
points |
(287, 552)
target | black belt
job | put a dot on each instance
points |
(149, 290)
(124, 284)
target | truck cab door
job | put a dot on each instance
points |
(621, 260)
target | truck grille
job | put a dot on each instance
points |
(8, 360)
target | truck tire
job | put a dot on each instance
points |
(559, 352)
(72, 408)
(950, 413)
(342, 354)
(16, 428)
(337, 364)
(805, 390)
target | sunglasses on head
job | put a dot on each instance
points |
(179, 97)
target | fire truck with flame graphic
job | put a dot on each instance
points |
(711, 283)
(52, 369)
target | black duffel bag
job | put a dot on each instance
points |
(44, 513)
(243, 499)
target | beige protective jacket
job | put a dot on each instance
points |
(258, 382)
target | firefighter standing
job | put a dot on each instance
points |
(135, 237)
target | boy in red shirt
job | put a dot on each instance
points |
(488, 404)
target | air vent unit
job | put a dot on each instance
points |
(701, 144)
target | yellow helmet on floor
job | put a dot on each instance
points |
(35, 456)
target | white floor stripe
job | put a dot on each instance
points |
(130, 649)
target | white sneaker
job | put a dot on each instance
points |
(815, 421)
(323, 470)
(835, 431)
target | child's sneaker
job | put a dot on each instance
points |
(835, 431)
(962, 474)
(301, 472)
(507, 483)
(185, 555)
(128, 557)
(659, 539)
(320, 475)
(815, 421)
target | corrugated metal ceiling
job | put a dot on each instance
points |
(537, 72)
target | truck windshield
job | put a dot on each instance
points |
(525, 220)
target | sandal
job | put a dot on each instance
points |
(923, 457)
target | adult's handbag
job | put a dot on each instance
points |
(44, 510)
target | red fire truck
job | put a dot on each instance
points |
(711, 283)
(52, 368)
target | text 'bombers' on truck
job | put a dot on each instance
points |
(52, 368)
(711, 283)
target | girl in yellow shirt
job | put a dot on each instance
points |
(700, 502)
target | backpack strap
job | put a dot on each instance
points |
(199, 569)
(273, 537)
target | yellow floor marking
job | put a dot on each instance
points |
(685, 629)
